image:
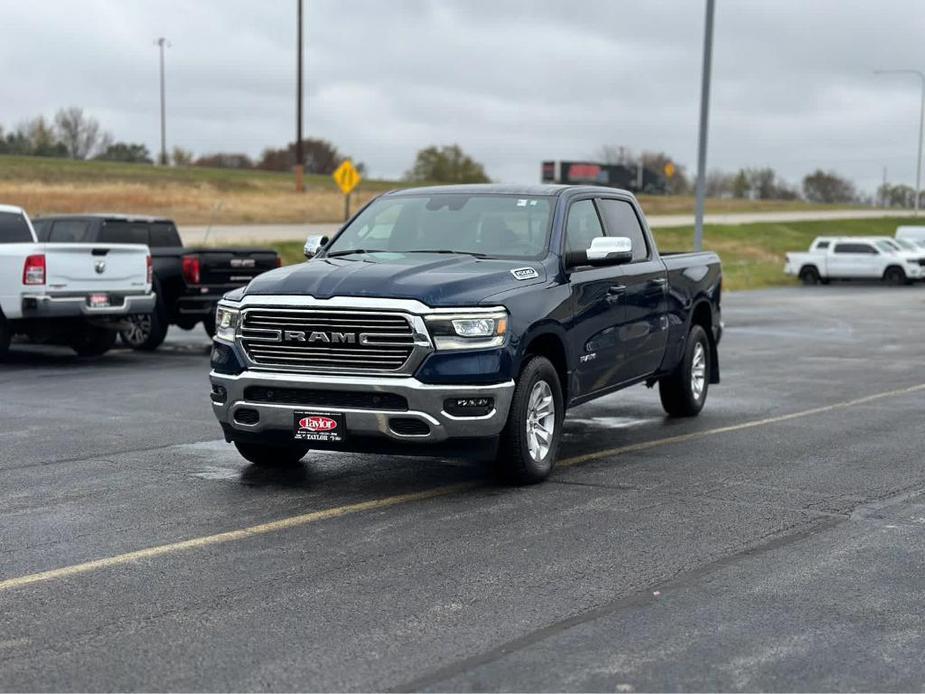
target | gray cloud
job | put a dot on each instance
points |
(512, 81)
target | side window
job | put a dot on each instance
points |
(69, 231)
(164, 235)
(621, 220)
(583, 225)
(822, 244)
(42, 227)
(855, 248)
(124, 232)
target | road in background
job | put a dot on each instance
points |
(223, 233)
(775, 542)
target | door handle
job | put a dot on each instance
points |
(615, 293)
(660, 281)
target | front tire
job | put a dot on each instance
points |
(271, 455)
(530, 440)
(684, 392)
(93, 341)
(809, 276)
(895, 276)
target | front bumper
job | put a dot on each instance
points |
(425, 405)
(77, 306)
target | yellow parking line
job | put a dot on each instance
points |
(306, 518)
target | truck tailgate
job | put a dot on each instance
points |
(234, 266)
(91, 267)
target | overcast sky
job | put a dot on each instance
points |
(512, 81)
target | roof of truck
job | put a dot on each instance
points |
(117, 216)
(11, 208)
(548, 189)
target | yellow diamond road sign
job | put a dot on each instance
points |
(669, 170)
(347, 177)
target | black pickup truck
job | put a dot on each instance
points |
(462, 319)
(188, 281)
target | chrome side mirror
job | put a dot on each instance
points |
(313, 244)
(610, 250)
(604, 250)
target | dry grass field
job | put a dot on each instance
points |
(194, 195)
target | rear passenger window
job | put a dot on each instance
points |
(69, 231)
(124, 232)
(164, 235)
(855, 248)
(582, 226)
(621, 220)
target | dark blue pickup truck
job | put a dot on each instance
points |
(463, 320)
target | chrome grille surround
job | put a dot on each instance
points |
(348, 340)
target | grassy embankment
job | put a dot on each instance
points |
(193, 195)
(752, 254)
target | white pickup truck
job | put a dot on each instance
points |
(855, 258)
(72, 294)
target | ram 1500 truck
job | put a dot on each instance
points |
(855, 258)
(464, 320)
(73, 294)
(188, 281)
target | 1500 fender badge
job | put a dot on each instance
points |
(524, 273)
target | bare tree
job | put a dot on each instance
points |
(80, 134)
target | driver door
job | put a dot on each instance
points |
(597, 305)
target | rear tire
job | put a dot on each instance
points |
(530, 439)
(271, 455)
(93, 341)
(148, 329)
(684, 392)
(895, 276)
(6, 335)
(809, 276)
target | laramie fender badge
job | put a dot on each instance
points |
(524, 273)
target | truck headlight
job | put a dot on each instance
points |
(226, 323)
(468, 331)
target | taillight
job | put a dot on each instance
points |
(150, 270)
(191, 269)
(33, 272)
(279, 261)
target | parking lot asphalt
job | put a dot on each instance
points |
(775, 542)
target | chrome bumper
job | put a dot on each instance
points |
(51, 306)
(425, 403)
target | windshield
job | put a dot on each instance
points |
(497, 226)
(905, 245)
(886, 246)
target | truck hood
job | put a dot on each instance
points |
(435, 280)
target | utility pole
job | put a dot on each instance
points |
(161, 43)
(299, 153)
(704, 119)
(918, 161)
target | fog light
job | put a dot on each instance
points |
(468, 407)
(219, 394)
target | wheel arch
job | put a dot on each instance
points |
(551, 345)
(702, 315)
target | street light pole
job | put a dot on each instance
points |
(299, 153)
(704, 121)
(918, 161)
(161, 42)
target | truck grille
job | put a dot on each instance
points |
(327, 340)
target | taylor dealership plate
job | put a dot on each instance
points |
(330, 427)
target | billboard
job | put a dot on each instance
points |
(613, 175)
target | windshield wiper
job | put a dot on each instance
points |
(336, 254)
(447, 250)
